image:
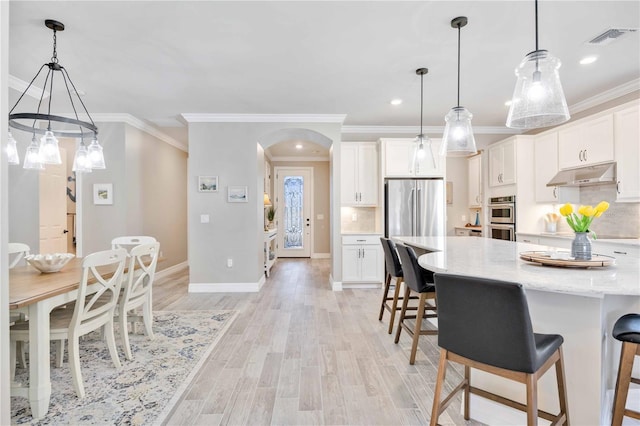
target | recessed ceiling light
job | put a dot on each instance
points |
(396, 102)
(298, 146)
(508, 103)
(588, 60)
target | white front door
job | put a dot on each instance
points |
(53, 207)
(293, 195)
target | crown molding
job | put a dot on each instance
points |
(21, 86)
(320, 158)
(414, 130)
(606, 96)
(263, 118)
(138, 124)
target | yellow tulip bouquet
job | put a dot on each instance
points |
(581, 221)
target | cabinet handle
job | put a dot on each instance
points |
(619, 252)
(585, 155)
(555, 192)
(580, 155)
(361, 241)
(618, 187)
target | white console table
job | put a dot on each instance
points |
(270, 255)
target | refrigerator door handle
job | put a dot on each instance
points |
(418, 211)
(413, 211)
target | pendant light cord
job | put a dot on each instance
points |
(536, 25)
(421, 100)
(458, 65)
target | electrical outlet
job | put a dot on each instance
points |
(204, 218)
(464, 218)
(354, 217)
(229, 263)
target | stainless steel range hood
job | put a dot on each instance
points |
(583, 176)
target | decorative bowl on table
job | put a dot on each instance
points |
(50, 262)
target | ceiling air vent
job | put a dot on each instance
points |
(610, 35)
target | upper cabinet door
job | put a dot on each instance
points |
(348, 175)
(545, 167)
(502, 163)
(475, 181)
(627, 153)
(585, 143)
(368, 174)
(359, 174)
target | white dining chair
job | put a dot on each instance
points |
(88, 313)
(128, 242)
(18, 251)
(137, 292)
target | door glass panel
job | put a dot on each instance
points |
(293, 212)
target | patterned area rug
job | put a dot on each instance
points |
(145, 389)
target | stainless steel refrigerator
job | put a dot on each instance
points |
(414, 207)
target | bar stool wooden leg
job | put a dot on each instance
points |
(394, 305)
(532, 400)
(403, 312)
(442, 370)
(562, 388)
(387, 284)
(467, 376)
(627, 355)
(418, 327)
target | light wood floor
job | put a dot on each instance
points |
(299, 353)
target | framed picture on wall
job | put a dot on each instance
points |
(237, 194)
(103, 193)
(208, 183)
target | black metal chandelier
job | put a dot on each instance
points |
(53, 126)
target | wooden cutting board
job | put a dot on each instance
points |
(541, 257)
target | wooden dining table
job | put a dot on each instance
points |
(36, 294)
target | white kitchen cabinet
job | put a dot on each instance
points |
(627, 153)
(362, 258)
(546, 166)
(587, 142)
(359, 174)
(399, 159)
(474, 181)
(502, 163)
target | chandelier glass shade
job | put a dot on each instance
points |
(422, 150)
(51, 126)
(458, 139)
(538, 99)
(12, 151)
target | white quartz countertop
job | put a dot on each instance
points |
(500, 260)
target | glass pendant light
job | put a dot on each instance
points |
(32, 158)
(82, 162)
(96, 155)
(12, 151)
(49, 151)
(538, 99)
(458, 140)
(422, 149)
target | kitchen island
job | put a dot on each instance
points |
(580, 304)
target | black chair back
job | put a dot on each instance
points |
(487, 321)
(391, 257)
(415, 276)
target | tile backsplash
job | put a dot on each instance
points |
(365, 219)
(621, 220)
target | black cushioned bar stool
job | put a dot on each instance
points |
(627, 330)
(417, 280)
(394, 270)
(485, 324)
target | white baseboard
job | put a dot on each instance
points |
(227, 287)
(172, 269)
(321, 256)
(335, 285)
